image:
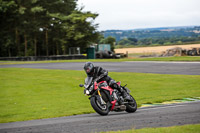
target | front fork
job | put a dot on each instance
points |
(110, 105)
(97, 94)
(100, 97)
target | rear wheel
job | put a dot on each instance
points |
(100, 109)
(131, 106)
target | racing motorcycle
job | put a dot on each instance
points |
(104, 99)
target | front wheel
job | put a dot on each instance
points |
(100, 109)
(131, 106)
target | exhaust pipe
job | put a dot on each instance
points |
(120, 108)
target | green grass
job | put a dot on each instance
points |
(175, 129)
(174, 58)
(27, 94)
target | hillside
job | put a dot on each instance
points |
(189, 33)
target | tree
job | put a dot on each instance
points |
(128, 41)
(80, 30)
(44, 27)
(110, 40)
(133, 40)
(8, 13)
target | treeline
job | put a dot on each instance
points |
(44, 27)
(157, 42)
(155, 33)
(155, 36)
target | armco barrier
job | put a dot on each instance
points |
(40, 58)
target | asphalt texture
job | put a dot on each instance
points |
(156, 116)
(183, 68)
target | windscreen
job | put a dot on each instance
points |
(88, 81)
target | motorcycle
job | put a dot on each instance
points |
(104, 99)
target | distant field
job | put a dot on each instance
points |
(157, 49)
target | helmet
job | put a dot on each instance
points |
(88, 67)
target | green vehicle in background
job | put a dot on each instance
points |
(104, 51)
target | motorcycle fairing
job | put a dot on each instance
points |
(88, 81)
(106, 87)
(113, 104)
(95, 86)
(119, 83)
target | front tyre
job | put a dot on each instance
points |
(100, 109)
(131, 106)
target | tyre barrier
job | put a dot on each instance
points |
(40, 58)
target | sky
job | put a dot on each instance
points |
(133, 14)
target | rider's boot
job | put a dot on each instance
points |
(125, 95)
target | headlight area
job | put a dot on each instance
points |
(89, 90)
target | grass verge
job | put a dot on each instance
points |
(174, 58)
(175, 129)
(27, 94)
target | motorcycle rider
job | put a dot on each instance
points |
(99, 74)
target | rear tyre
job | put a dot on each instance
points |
(131, 106)
(100, 109)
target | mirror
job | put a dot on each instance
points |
(81, 85)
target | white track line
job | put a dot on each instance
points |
(181, 62)
(167, 105)
(157, 107)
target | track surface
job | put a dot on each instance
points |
(158, 116)
(185, 68)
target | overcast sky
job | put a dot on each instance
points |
(132, 14)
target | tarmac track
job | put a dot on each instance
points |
(183, 68)
(157, 116)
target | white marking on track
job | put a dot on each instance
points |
(181, 62)
(149, 108)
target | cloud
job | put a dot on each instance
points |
(129, 14)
